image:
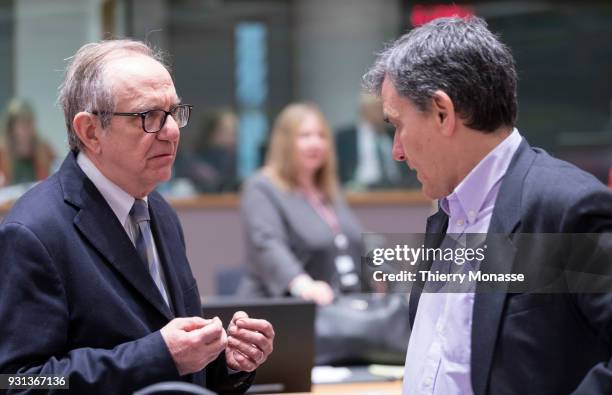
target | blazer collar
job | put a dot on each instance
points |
(434, 234)
(165, 238)
(100, 226)
(507, 212)
(488, 306)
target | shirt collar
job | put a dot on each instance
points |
(119, 200)
(476, 187)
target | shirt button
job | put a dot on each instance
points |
(428, 382)
(472, 214)
(439, 327)
(460, 222)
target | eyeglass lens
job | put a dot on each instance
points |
(155, 119)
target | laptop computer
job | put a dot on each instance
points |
(288, 368)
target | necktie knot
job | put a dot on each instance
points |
(140, 211)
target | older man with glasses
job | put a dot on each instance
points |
(96, 290)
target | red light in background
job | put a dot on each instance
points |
(421, 14)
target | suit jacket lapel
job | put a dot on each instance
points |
(434, 234)
(99, 225)
(489, 305)
(164, 238)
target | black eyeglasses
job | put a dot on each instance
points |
(154, 120)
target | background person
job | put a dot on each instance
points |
(302, 239)
(209, 161)
(24, 156)
(363, 159)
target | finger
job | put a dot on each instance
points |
(220, 344)
(238, 315)
(190, 323)
(327, 294)
(310, 297)
(255, 338)
(324, 298)
(217, 320)
(209, 334)
(243, 362)
(258, 325)
(321, 301)
(247, 349)
(213, 348)
(324, 288)
(230, 360)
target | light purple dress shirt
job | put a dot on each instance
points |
(439, 350)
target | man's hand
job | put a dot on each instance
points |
(249, 343)
(194, 342)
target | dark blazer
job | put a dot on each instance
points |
(347, 150)
(75, 299)
(528, 343)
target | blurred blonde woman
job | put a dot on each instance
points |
(302, 238)
(24, 157)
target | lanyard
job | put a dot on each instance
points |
(328, 215)
(325, 212)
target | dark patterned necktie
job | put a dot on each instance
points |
(144, 243)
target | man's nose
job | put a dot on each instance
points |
(170, 131)
(398, 150)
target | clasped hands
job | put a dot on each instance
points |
(194, 342)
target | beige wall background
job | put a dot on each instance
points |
(215, 238)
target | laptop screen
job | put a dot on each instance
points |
(288, 368)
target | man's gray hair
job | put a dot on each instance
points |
(85, 87)
(460, 57)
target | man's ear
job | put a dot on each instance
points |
(87, 128)
(444, 111)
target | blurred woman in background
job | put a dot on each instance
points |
(302, 238)
(24, 157)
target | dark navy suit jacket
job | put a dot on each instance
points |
(75, 299)
(538, 343)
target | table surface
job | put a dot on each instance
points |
(370, 388)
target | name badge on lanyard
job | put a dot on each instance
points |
(346, 269)
(344, 262)
(341, 241)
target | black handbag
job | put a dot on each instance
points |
(362, 329)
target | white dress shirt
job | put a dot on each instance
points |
(439, 349)
(119, 201)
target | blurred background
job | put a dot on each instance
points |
(240, 61)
